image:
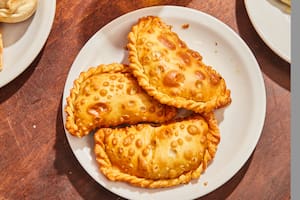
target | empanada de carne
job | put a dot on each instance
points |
(107, 96)
(170, 71)
(158, 156)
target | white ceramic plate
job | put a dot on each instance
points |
(240, 123)
(273, 24)
(23, 41)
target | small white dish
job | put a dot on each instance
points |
(273, 25)
(24, 40)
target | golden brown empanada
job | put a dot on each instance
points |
(107, 96)
(171, 72)
(158, 156)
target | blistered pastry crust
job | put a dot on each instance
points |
(171, 72)
(108, 96)
(155, 157)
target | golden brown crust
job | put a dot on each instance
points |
(171, 72)
(13, 11)
(154, 157)
(107, 96)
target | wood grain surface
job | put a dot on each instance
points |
(36, 161)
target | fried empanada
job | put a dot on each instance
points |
(108, 95)
(171, 72)
(158, 156)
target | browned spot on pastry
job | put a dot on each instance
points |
(98, 108)
(173, 78)
(179, 141)
(193, 130)
(127, 141)
(214, 79)
(114, 141)
(132, 90)
(152, 109)
(113, 77)
(131, 152)
(185, 57)
(194, 54)
(120, 150)
(166, 42)
(146, 151)
(173, 144)
(139, 143)
(106, 83)
(188, 155)
(200, 75)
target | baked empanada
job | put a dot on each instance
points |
(158, 156)
(108, 95)
(171, 72)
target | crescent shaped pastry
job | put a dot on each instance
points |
(108, 95)
(13, 11)
(157, 156)
(171, 72)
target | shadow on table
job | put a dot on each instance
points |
(270, 63)
(13, 86)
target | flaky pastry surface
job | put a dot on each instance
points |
(107, 96)
(13, 11)
(171, 72)
(157, 156)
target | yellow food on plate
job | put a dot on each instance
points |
(287, 2)
(13, 11)
(170, 71)
(158, 156)
(108, 96)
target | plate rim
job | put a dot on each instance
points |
(35, 49)
(260, 31)
(241, 42)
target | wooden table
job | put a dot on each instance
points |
(36, 162)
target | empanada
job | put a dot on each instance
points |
(171, 72)
(158, 156)
(108, 95)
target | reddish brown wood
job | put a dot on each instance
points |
(36, 161)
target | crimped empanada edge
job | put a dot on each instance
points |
(70, 124)
(113, 174)
(179, 102)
